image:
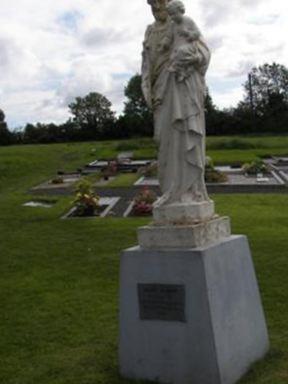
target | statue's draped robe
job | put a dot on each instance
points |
(179, 120)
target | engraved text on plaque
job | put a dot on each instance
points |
(162, 302)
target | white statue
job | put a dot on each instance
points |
(175, 61)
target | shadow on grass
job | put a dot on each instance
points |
(117, 379)
(264, 368)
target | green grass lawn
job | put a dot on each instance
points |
(15, 162)
(124, 180)
(28, 165)
(59, 278)
(223, 150)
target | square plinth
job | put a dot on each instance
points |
(184, 236)
(190, 316)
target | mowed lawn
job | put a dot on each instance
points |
(59, 278)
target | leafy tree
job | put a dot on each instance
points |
(137, 115)
(218, 122)
(267, 89)
(5, 134)
(2, 116)
(210, 107)
(92, 114)
(211, 114)
(31, 134)
(265, 106)
(43, 133)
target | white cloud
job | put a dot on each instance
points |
(54, 51)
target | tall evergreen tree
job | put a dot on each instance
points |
(137, 115)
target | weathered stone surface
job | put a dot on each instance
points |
(175, 61)
(224, 331)
(183, 213)
(186, 236)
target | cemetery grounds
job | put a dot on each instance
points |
(59, 278)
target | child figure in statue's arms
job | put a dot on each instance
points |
(183, 36)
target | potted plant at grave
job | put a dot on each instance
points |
(143, 202)
(254, 168)
(212, 175)
(86, 202)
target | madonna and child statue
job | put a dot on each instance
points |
(190, 308)
(175, 61)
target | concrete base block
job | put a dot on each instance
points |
(185, 236)
(190, 316)
(183, 213)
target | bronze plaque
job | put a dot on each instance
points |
(162, 302)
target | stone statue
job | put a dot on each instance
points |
(190, 309)
(175, 61)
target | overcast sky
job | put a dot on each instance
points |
(54, 50)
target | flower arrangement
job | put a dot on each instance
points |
(86, 202)
(255, 167)
(143, 202)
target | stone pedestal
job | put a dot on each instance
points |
(190, 315)
(179, 213)
(184, 236)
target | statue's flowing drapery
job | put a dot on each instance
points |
(179, 120)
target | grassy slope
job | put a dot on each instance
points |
(28, 165)
(59, 279)
(69, 156)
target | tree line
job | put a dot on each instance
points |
(264, 109)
